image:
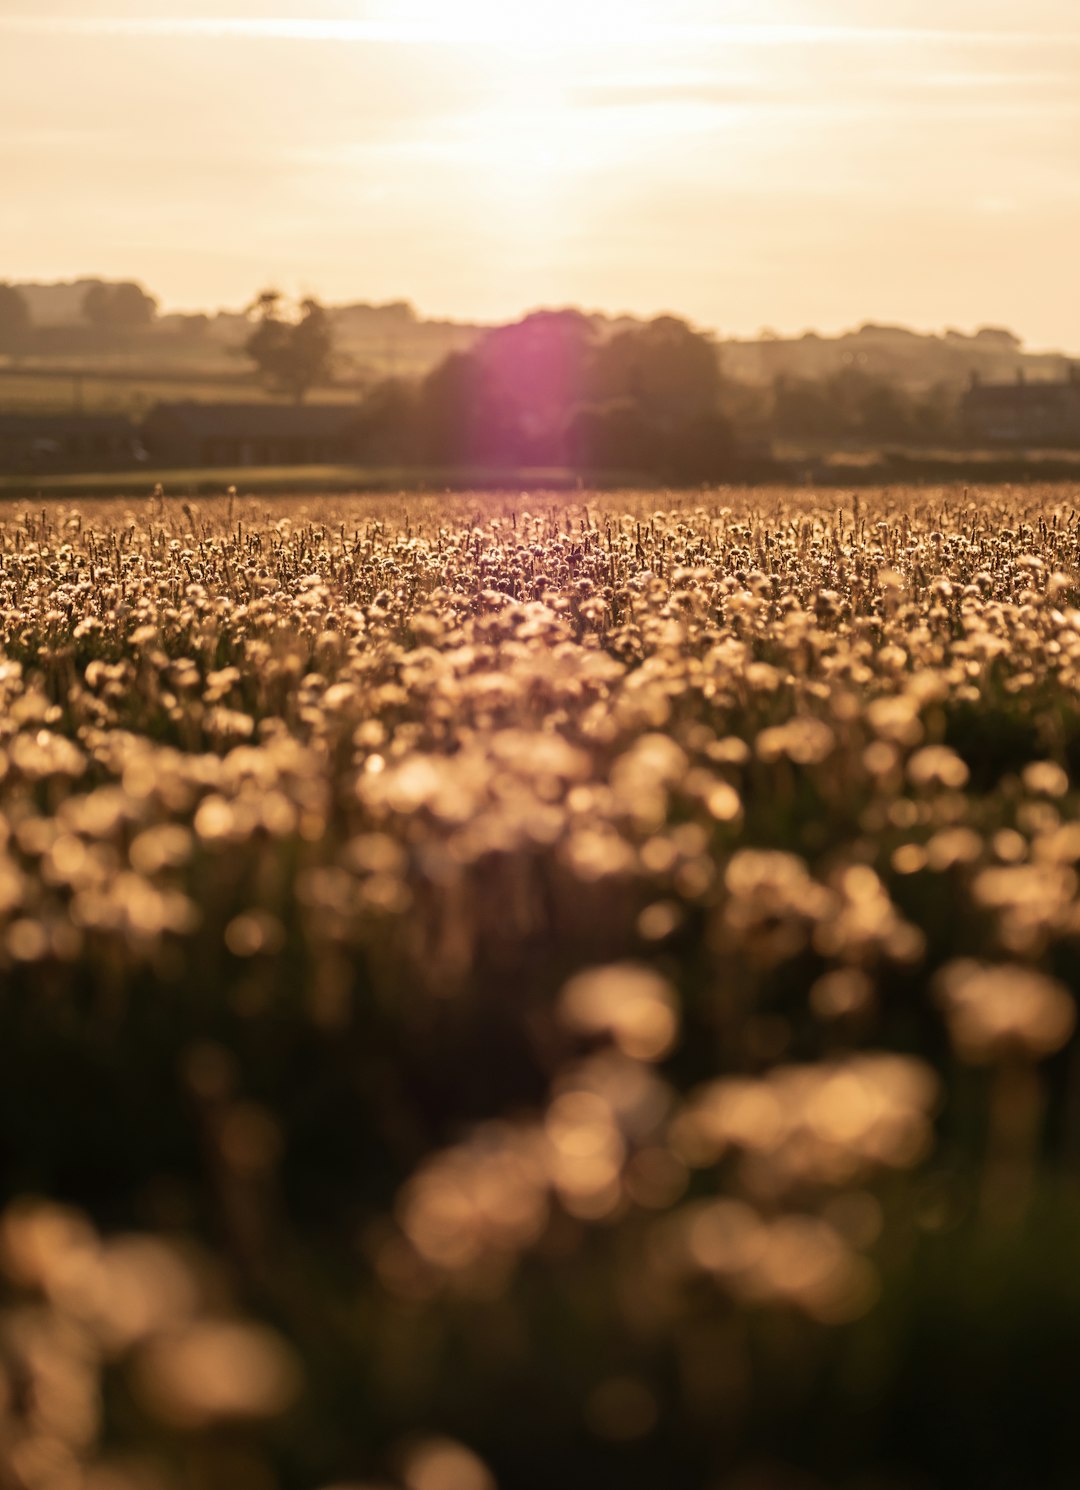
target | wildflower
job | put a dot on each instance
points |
(1000, 1010)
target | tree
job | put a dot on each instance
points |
(15, 321)
(541, 362)
(669, 370)
(293, 348)
(123, 307)
(702, 449)
(936, 416)
(804, 409)
(886, 413)
(547, 391)
(196, 326)
(387, 424)
(97, 304)
(458, 424)
(612, 437)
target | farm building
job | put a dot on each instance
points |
(193, 434)
(30, 443)
(1024, 413)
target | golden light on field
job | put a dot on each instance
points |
(457, 868)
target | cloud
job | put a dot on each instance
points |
(486, 31)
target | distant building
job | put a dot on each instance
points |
(193, 434)
(32, 443)
(1043, 414)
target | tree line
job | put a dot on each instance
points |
(651, 398)
(552, 390)
(549, 392)
(111, 312)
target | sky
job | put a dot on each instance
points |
(789, 164)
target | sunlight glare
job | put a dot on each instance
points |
(556, 25)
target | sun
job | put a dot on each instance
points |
(524, 134)
(551, 121)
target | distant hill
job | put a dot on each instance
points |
(392, 339)
(57, 304)
(892, 353)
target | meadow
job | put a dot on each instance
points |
(500, 992)
(100, 385)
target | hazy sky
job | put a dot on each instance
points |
(790, 163)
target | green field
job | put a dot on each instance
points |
(92, 386)
(288, 480)
(209, 480)
(500, 993)
(131, 382)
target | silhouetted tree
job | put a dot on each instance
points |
(15, 319)
(508, 400)
(612, 437)
(886, 413)
(669, 370)
(195, 326)
(936, 416)
(388, 428)
(540, 364)
(293, 351)
(121, 308)
(803, 409)
(849, 392)
(546, 391)
(701, 449)
(97, 305)
(463, 419)
(746, 406)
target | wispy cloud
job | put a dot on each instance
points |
(485, 154)
(502, 32)
(930, 94)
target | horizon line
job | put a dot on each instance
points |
(425, 316)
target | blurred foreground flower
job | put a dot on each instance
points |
(997, 1011)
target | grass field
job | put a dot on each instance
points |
(880, 468)
(96, 388)
(310, 481)
(509, 993)
(205, 480)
